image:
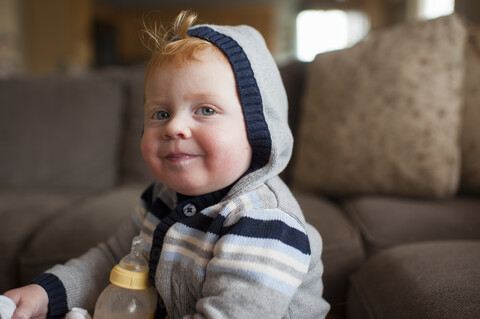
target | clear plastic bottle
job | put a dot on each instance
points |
(129, 295)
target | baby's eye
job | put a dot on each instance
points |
(205, 111)
(161, 115)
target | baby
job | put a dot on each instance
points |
(226, 237)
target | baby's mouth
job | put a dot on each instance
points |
(180, 157)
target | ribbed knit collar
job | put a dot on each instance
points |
(203, 201)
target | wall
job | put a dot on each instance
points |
(58, 35)
(383, 13)
(469, 8)
(11, 45)
(127, 24)
(45, 36)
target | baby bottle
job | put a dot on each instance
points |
(129, 295)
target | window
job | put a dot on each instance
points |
(430, 9)
(327, 30)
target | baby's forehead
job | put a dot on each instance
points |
(206, 55)
(210, 54)
(206, 69)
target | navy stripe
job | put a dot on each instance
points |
(249, 93)
(159, 209)
(154, 205)
(271, 229)
(205, 224)
(147, 197)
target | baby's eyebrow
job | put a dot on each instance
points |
(151, 105)
(206, 95)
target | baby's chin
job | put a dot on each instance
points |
(191, 184)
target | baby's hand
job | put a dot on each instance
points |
(31, 301)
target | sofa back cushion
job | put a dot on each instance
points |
(470, 180)
(388, 221)
(60, 132)
(384, 115)
(134, 168)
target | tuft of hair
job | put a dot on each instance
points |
(156, 38)
(173, 44)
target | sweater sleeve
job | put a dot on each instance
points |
(258, 263)
(79, 282)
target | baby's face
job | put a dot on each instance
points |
(195, 139)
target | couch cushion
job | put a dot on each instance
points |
(389, 221)
(133, 166)
(428, 280)
(470, 180)
(60, 132)
(293, 77)
(21, 213)
(77, 229)
(384, 115)
(342, 247)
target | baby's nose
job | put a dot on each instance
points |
(177, 127)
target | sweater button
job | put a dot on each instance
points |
(189, 210)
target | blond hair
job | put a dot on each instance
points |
(173, 45)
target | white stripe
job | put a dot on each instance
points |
(247, 203)
(167, 196)
(202, 244)
(258, 268)
(151, 222)
(186, 252)
(149, 226)
(267, 243)
(263, 252)
(225, 212)
(141, 210)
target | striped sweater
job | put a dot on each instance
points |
(239, 258)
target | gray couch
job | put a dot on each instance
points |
(71, 171)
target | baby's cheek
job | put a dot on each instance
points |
(151, 159)
(234, 164)
(146, 147)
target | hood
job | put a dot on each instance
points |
(262, 96)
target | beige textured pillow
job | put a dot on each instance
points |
(470, 181)
(383, 117)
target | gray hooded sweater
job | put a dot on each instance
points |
(241, 252)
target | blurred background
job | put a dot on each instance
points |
(75, 36)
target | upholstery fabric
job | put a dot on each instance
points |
(77, 229)
(470, 179)
(293, 75)
(133, 166)
(390, 221)
(387, 120)
(25, 212)
(69, 154)
(437, 280)
(342, 246)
